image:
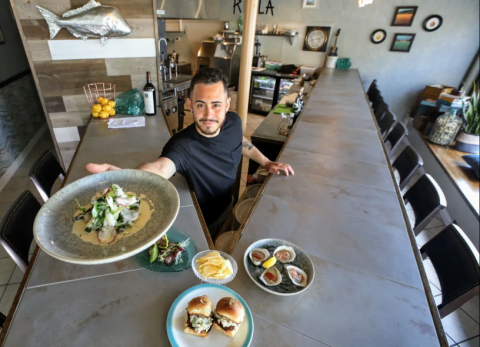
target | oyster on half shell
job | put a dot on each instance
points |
(271, 277)
(258, 256)
(284, 254)
(297, 275)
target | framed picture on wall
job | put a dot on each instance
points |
(309, 3)
(404, 16)
(2, 40)
(402, 43)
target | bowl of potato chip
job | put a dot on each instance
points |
(214, 267)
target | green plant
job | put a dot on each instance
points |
(470, 112)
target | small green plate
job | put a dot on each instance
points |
(174, 235)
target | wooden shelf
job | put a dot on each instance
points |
(292, 38)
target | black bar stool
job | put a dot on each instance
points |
(456, 263)
(386, 123)
(407, 164)
(395, 137)
(44, 174)
(372, 90)
(427, 200)
(381, 110)
(16, 229)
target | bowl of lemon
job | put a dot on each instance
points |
(104, 108)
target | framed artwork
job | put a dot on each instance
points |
(316, 39)
(378, 36)
(2, 39)
(309, 4)
(432, 23)
(404, 16)
(402, 43)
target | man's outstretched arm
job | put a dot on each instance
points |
(251, 152)
(162, 166)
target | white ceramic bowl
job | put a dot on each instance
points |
(211, 280)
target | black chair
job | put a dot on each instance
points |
(381, 110)
(456, 263)
(16, 229)
(44, 174)
(395, 137)
(386, 123)
(377, 101)
(2, 319)
(407, 164)
(427, 200)
(372, 90)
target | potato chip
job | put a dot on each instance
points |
(214, 266)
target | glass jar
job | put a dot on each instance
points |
(446, 128)
(284, 123)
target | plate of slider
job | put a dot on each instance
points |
(279, 267)
(209, 315)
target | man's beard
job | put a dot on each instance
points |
(207, 132)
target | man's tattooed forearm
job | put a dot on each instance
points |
(247, 144)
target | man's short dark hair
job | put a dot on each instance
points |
(209, 75)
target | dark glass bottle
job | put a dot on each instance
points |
(150, 97)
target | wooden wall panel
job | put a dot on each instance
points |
(63, 85)
(75, 103)
(37, 29)
(55, 104)
(73, 68)
(39, 50)
(130, 66)
(128, 8)
(26, 8)
(69, 119)
(141, 28)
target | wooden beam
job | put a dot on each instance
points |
(248, 41)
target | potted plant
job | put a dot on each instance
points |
(468, 139)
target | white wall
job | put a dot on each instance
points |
(12, 55)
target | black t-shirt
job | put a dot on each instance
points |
(209, 163)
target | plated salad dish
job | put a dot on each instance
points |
(111, 213)
(167, 252)
(279, 267)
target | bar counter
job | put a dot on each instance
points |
(341, 207)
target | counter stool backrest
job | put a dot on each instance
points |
(456, 263)
(381, 110)
(16, 228)
(427, 200)
(372, 90)
(44, 174)
(386, 123)
(395, 137)
(407, 163)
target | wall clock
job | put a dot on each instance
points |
(316, 39)
(432, 23)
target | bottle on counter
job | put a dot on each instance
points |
(446, 128)
(283, 127)
(150, 97)
(240, 24)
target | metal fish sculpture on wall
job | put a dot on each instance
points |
(90, 20)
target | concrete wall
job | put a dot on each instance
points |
(442, 56)
(12, 55)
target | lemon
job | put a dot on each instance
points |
(104, 102)
(111, 103)
(95, 114)
(97, 108)
(103, 114)
(270, 262)
(106, 108)
(99, 99)
(111, 112)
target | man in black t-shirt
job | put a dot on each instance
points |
(208, 152)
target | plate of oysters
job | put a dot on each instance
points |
(279, 267)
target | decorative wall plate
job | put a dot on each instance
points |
(378, 36)
(432, 23)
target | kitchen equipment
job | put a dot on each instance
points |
(169, 107)
(226, 26)
(224, 56)
(53, 225)
(266, 91)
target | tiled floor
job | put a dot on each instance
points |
(10, 274)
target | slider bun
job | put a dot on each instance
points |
(230, 333)
(201, 306)
(232, 309)
(193, 332)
